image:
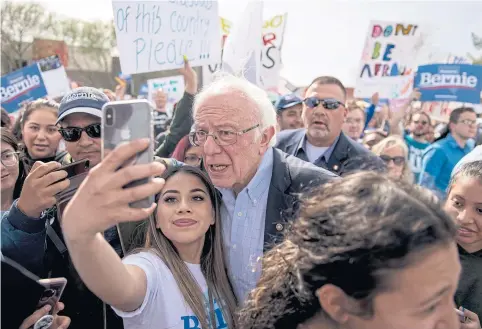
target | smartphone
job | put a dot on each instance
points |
(461, 315)
(75, 168)
(53, 289)
(122, 122)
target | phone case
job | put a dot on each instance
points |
(131, 120)
(52, 293)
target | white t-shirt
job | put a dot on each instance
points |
(314, 152)
(164, 306)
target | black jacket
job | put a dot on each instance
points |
(469, 292)
(290, 176)
(344, 158)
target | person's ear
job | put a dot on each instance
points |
(267, 135)
(336, 304)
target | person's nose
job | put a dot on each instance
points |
(448, 318)
(184, 207)
(463, 217)
(85, 140)
(41, 134)
(210, 146)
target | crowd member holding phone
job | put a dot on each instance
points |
(31, 233)
(365, 252)
(59, 322)
(11, 170)
(464, 203)
(187, 153)
(179, 279)
(40, 133)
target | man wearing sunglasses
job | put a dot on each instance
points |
(80, 115)
(322, 141)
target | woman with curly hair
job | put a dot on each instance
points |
(366, 252)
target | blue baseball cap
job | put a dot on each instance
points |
(287, 101)
(82, 100)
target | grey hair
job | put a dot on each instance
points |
(225, 82)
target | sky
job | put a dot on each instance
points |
(326, 37)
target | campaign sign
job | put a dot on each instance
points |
(22, 86)
(450, 82)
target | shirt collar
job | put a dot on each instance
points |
(326, 154)
(259, 182)
(453, 143)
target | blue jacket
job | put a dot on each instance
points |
(23, 239)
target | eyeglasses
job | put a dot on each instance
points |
(398, 161)
(222, 137)
(10, 159)
(423, 123)
(328, 103)
(192, 160)
(73, 134)
(468, 122)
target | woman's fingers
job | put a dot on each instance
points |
(121, 154)
(41, 169)
(57, 187)
(128, 214)
(132, 173)
(62, 322)
(52, 177)
(136, 193)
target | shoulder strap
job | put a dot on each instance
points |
(55, 238)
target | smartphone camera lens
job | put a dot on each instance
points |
(109, 116)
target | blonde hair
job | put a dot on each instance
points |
(391, 141)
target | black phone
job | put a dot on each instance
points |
(75, 168)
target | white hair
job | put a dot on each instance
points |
(224, 82)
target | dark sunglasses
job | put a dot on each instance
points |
(73, 134)
(396, 160)
(423, 123)
(328, 103)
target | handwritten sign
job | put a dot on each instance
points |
(388, 60)
(272, 40)
(155, 35)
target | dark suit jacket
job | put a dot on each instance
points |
(290, 176)
(347, 156)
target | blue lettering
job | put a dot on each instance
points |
(172, 47)
(388, 52)
(187, 322)
(122, 21)
(221, 324)
(366, 68)
(174, 13)
(388, 31)
(136, 41)
(394, 71)
(158, 48)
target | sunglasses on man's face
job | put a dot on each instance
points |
(73, 134)
(398, 161)
(328, 103)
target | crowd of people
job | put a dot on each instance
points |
(315, 211)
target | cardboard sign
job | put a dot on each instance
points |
(450, 82)
(155, 35)
(22, 86)
(172, 86)
(272, 41)
(45, 78)
(388, 60)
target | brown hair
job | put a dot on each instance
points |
(37, 105)
(328, 80)
(364, 224)
(212, 260)
(9, 138)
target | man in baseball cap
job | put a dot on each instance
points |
(79, 116)
(289, 108)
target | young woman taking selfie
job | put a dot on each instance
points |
(179, 279)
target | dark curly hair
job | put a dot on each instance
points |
(346, 232)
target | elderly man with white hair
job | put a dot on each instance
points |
(234, 123)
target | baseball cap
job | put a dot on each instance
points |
(287, 101)
(82, 100)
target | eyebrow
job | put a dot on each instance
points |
(440, 293)
(192, 191)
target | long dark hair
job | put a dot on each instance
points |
(346, 232)
(212, 259)
(9, 138)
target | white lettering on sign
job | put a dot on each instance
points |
(444, 80)
(18, 88)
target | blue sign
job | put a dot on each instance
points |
(449, 83)
(21, 86)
